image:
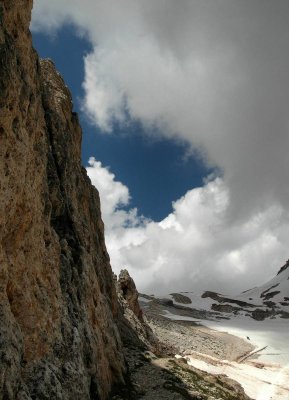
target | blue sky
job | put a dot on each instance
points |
(156, 170)
(154, 81)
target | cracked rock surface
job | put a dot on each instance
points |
(58, 304)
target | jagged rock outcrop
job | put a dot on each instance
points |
(58, 304)
(134, 329)
(128, 289)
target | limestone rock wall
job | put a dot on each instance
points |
(58, 305)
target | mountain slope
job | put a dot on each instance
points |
(270, 300)
(244, 337)
(274, 294)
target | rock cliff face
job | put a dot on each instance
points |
(58, 305)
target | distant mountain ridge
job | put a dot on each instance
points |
(270, 300)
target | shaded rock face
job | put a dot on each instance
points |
(58, 304)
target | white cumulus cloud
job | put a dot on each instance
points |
(195, 246)
(215, 75)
